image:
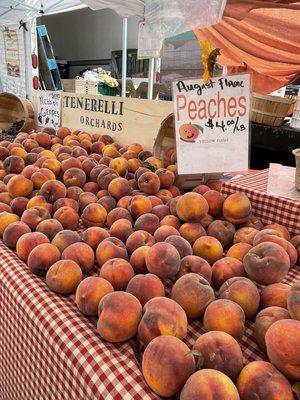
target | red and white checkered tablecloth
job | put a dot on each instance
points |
(50, 351)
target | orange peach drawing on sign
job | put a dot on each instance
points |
(189, 132)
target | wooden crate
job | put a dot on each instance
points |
(165, 141)
(269, 110)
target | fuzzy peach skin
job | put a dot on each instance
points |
(191, 207)
(220, 351)
(94, 215)
(224, 269)
(209, 384)
(19, 186)
(163, 260)
(64, 276)
(260, 380)
(197, 265)
(34, 215)
(139, 205)
(167, 364)
(161, 233)
(13, 232)
(193, 294)
(282, 341)
(89, 293)
(42, 257)
(275, 295)
(183, 247)
(94, 235)
(215, 201)
(264, 320)
(226, 316)
(82, 254)
(110, 248)
(138, 239)
(138, 259)
(238, 251)
(209, 248)
(267, 263)
(6, 219)
(149, 183)
(245, 235)
(65, 238)
(237, 208)
(118, 213)
(171, 220)
(145, 287)
(223, 231)
(293, 301)
(119, 317)
(243, 292)
(118, 272)
(282, 231)
(27, 242)
(295, 241)
(121, 229)
(147, 222)
(162, 316)
(68, 217)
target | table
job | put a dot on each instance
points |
(49, 351)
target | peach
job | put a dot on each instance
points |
(171, 220)
(119, 316)
(110, 151)
(18, 205)
(7, 208)
(110, 248)
(138, 239)
(121, 229)
(145, 287)
(237, 208)
(19, 186)
(89, 293)
(282, 341)
(224, 269)
(264, 320)
(281, 230)
(64, 276)
(206, 221)
(27, 242)
(245, 235)
(139, 172)
(208, 384)
(191, 207)
(243, 292)
(275, 295)
(43, 139)
(196, 265)
(223, 231)
(267, 263)
(174, 190)
(133, 163)
(220, 351)
(39, 201)
(94, 215)
(149, 183)
(65, 202)
(108, 202)
(238, 250)
(167, 364)
(120, 165)
(162, 316)
(82, 254)
(95, 172)
(13, 165)
(4, 153)
(49, 227)
(156, 162)
(34, 215)
(105, 177)
(53, 190)
(78, 151)
(253, 222)
(163, 260)
(293, 301)
(118, 213)
(201, 189)
(5, 197)
(118, 272)
(123, 202)
(172, 204)
(226, 316)
(192, 231)
(135, 148)
(143, 155)
(94, 235)
(68, 163)
(148, 222)
(295, 241)
(208, 248)
(166, 177)
(42, 257)
(164, 195)
(40, 177)
(74, 177)
(215, 201)
(13, 232)
(73, 192)
(29, 170)
(161, 211)
(53, 165)
(183, 247)
(193, 293)
(138, 259)
(119, 187)
(139, 205)
(6, 219)
(65, 238)
(161, 233)
(87, 166)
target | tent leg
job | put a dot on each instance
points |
(151, 78)
(124, 57)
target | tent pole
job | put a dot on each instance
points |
(151, 78)
(124, 57)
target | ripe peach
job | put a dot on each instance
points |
(110, 248)
(245, 235)
(94, 236)
(68, 163)
(82, 254)
(118, 272)
(39, 201)
(171, 220)
(243, 292)
(197, 265)
(53, 190)
(226, 316)
(65, 238)
(293, 301)
(237, 208)
(121, 229)
(206, 221)
(29, 170)
(166, 177)
(6, 219)
(5, 197)
(87, 165)
(119, 317)
(253, 222)
(172, 204)
(164, 195)
(42, 257)
(94, 215)
(275, 295)
(64, 277)
(5, 207)
(65, 202)
(119, 187)
(18, 205)
(123, 202)
(223, 231)
(295, 241)
(224, 269)
(161, 233)
(13, 165)
(85, 199)
(145, 287)
(13, 232)
(209, 384)
(156, 162)
(19, 186)
(49, 227)
(89, 292)
(120, 165)
(148, 222)
(163, 260)
(162, 316)
(73, 192)
(40, 177)
(43, 139)
(192, 231)
(138, 239)
(183, 247)
(208, 248)
(267, 263)
(108, 202)
(53, 165)
(34, 215)
(201, 189)
(118, 213)
(149, 183)
(282, 341)
(191, 207)
(74, 177)
(220, 351)
(280, 229)
(161, 211)
(105, 177)
(215, 201)
(167, 364)
(238, 250)
(139, 205)
(138, 259)
(27, 242)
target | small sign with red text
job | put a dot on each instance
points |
(212, 124)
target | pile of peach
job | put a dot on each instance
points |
(222, 264)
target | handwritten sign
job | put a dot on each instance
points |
(212, 124)
(49, 110)
(11, 48)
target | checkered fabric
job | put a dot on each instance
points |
(50, 351)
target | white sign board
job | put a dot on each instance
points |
(212, 124)
(49, 110)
